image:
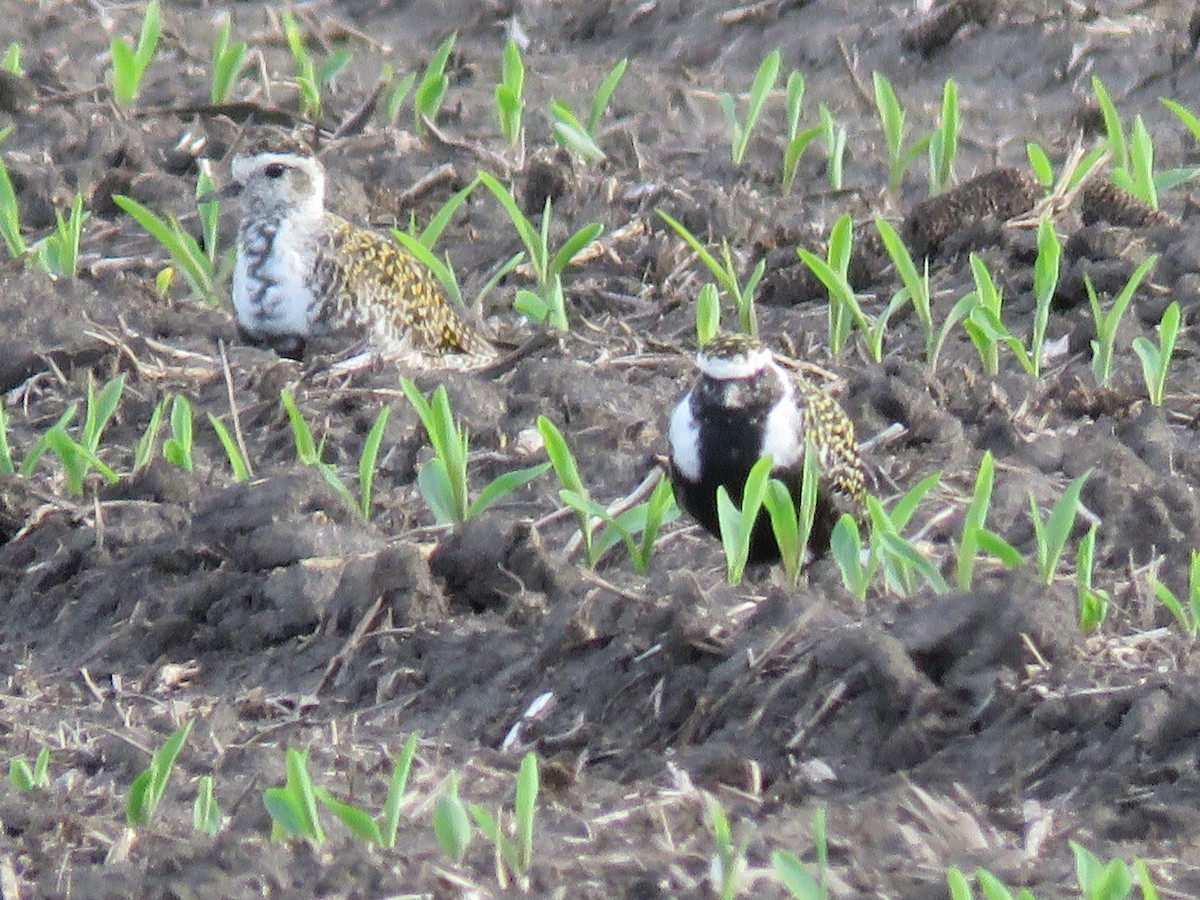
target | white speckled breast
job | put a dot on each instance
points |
(272, 280)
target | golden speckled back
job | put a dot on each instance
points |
(369, 281)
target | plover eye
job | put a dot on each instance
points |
(274, 170)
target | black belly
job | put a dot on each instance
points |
(728, 451)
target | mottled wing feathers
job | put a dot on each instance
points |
(375, 283)
(832, 434)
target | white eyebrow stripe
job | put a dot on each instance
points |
(244, 165)
(740, 366)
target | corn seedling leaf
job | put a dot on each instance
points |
(206, 815)
(42, 444)
(1039, 162)
(358, 822)
(286, 811)
(789, 870)
(973, 522)
(368, 459)
(396, 787)
(6, 461)
(603, 95)
(959, 887)
(451, 824)
(237, 463)
(147, 789)
(148, 442)
(524, 809)
(503, 485)
(991, 886)
(845, 546)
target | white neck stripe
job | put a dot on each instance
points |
(740, 366)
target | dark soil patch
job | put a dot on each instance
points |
(978, 728)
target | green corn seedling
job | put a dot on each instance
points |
(835, 147)
(1099, 880)
(1045, 282)
(1039, 164)
(975, 536)
(10, 214)
(898, 558)
(572, 135)
(6, 460)
(548, 305)
(34, 454)
(982, 308)
(943, 143)
(796, 141)
(887, 548)
(431, 91)
(12, 59)
(237, 462)
(990, 887)
(442, 480)
(378, 831)
(177, 449)
(310, 454)
(1132, 155)
(1050, 535)
(737, 524)
(451, 824)
(916, 285)
(1108, 322)
(845, 546)
(396, 93)
(728, 864)
(1092, 601)
(421, 243)
(510, 100)
(58, 253)
(25, 778)
(725, 274)
(1114, 131)
(293, 807)
(368, 460)
(147, 445)
(311, 78)
(206, 815)
(567, 471)
(983, 322)
(389, 818)
(228, 59)
(708, 314)
(1156, 358)
(357, 821)
(78, 457)
(764, 82)
(582, 139)
(644, 519)
(603, 95)
(794, 874)
(844, 309)
(514, 853)
(792, 527)
(891, 118)
(1187, 615)
(129, 64)
(147, 789)
(184, 249)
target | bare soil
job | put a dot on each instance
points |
(973, 729)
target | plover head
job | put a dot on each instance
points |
(275, 180)
(733, 357)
